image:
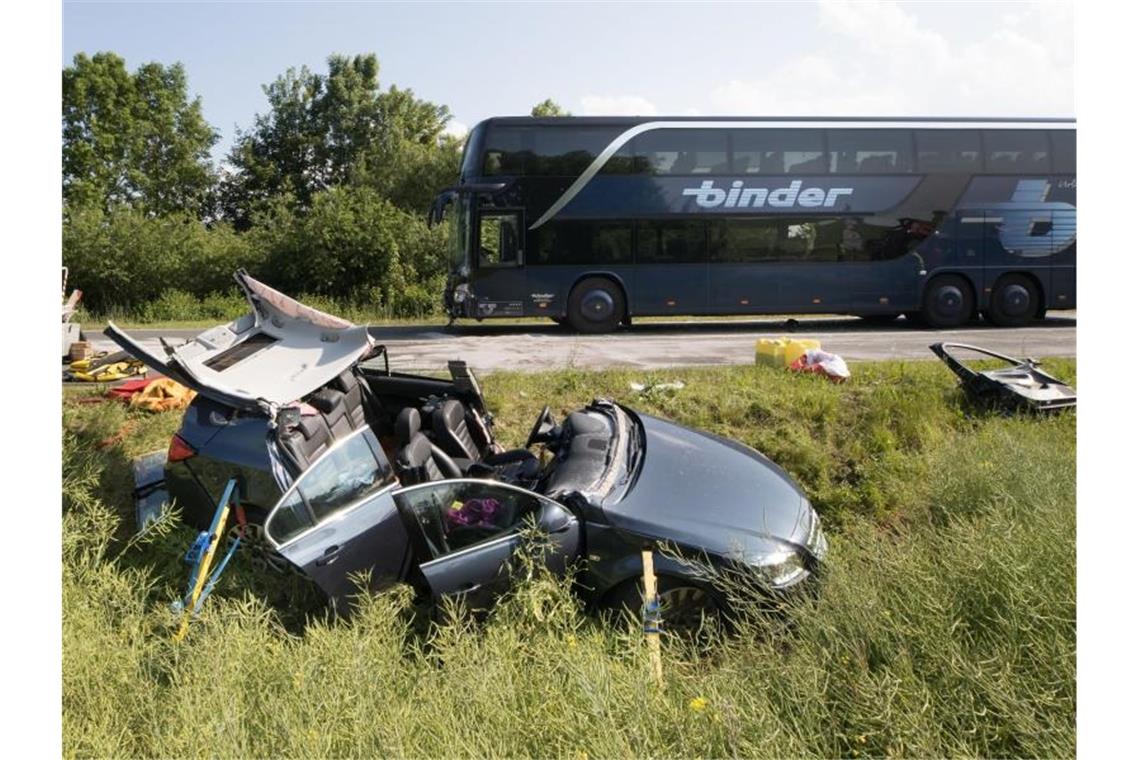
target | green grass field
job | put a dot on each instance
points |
(945, 627)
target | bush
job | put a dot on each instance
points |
(355, 246)
(126, 259)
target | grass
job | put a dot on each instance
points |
(945, 626)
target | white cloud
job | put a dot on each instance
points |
(616, 105)
(456, 129)
(886, 62)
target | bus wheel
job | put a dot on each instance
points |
(1014, 301)
(596, 306)
(949, 301)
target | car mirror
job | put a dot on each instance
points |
(555, 519)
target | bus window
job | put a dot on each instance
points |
(1064, 151)
(777, 151)
(1016, 151)
(498, 240)
(671, 242)
(949, 150)
(869, 151)
(585, 242)
(683, 151)
(567, 151)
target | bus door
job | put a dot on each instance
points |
(500, 279)
(1017, 240)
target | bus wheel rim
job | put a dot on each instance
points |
(1015, 299)
(949, 301)
(597, 306)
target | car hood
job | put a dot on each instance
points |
(275, 355)
(707, 492)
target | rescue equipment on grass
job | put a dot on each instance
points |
(781, 352)
(651, 616)
(104, 368)
(201, 555)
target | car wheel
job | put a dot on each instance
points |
(260, 552)
(687, 608)
(1014, 301)
(596, 305)
(948, 302)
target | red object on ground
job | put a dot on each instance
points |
(125, 390)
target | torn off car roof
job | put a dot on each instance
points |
(276, 354)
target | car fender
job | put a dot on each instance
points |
(611, 575)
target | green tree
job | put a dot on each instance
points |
(548, 108)
(134, 139)
(326, 130)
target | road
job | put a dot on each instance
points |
(535, 347)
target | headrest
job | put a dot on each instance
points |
(326, 399)
(407, 424)
(451, 412)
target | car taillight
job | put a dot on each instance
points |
(179, 450)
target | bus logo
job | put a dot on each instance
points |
(739, 196)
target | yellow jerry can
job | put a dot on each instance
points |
(781, 352)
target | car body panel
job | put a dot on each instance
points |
(368, 538)
(275, 355)
(710, 493)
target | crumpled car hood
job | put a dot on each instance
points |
(711, 493)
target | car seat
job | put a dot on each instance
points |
(418, 459)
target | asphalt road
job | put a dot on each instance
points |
(533, 347)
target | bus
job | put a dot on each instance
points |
(594, 221)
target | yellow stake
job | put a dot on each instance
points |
(652, 637)
(203, 573)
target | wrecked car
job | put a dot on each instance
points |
(346, 466)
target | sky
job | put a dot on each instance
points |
(498, 59)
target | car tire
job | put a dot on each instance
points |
(596, 305)
(1014, 301)
(254, 543)
(948, 301)
(686, 606)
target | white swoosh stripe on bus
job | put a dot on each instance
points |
(619, 141)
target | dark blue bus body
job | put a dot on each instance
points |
(598, 220)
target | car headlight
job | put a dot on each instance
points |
(782, 568)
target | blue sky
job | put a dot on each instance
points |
(486, 59)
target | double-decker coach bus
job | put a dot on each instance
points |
(595, 221)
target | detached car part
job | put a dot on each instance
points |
(1021, 386)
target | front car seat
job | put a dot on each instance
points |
(418, 460)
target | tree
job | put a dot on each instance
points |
(548, 108)
(134, 139)
(322, 131)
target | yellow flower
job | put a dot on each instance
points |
(571, 641)
(862, 738)
(698, 704)
(298, 679)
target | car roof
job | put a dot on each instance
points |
(276, 354)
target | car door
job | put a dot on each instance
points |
(472, 528)
(339, 519)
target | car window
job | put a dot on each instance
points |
(455, 515)
(351, 471)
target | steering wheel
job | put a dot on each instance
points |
(545, 419)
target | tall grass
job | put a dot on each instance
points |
(945, 625)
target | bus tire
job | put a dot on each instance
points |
(597, 305)
(948, 301)
(1014, 301)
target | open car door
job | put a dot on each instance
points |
(469, 530)
(339, 519)
(272, 356)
